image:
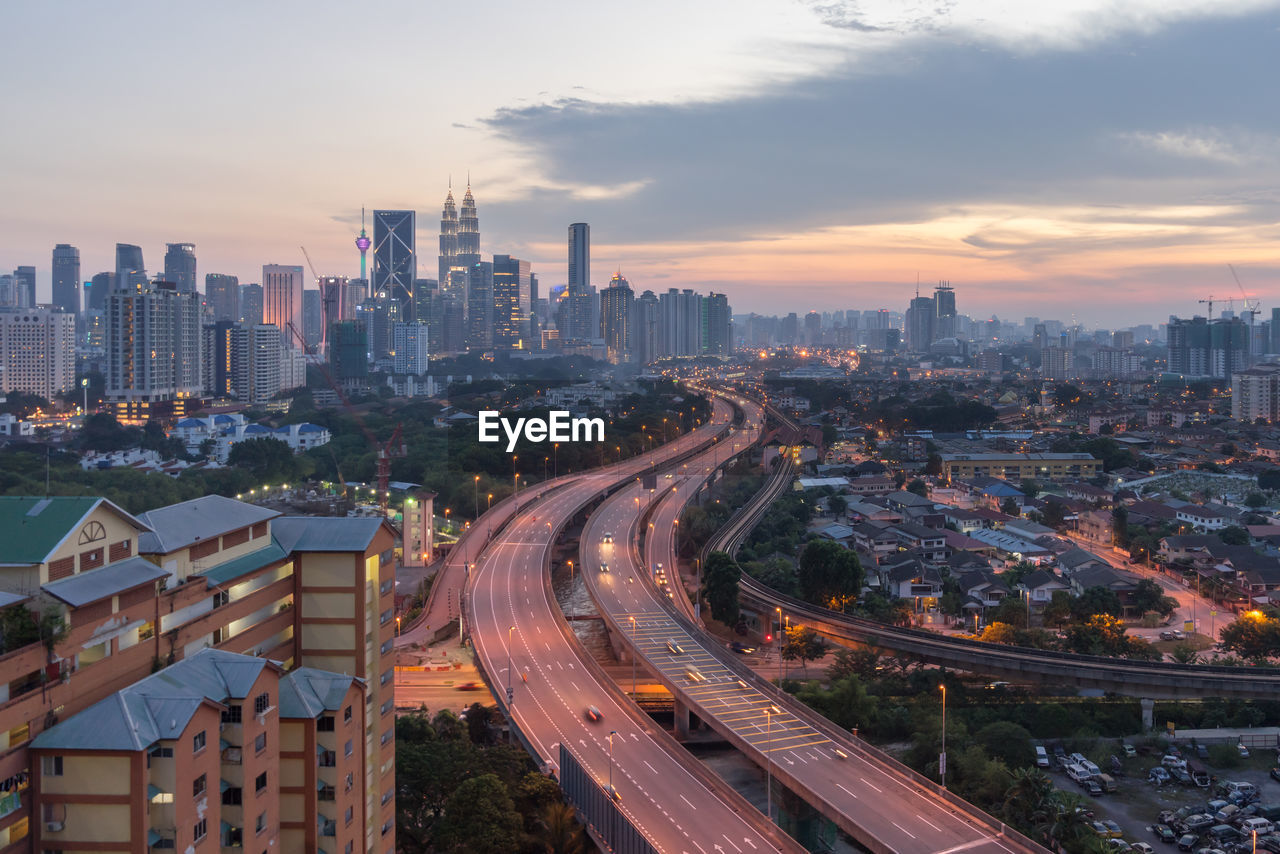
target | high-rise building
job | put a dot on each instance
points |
(944, 300)
(1057, 363)
(37, 351)
(251, 300)
(222, 294)
(1207, 348)
(242, 362)
(410, 341)
(394, 259)
(920, 324)
(813, 328)
(644, 312)
(130, 271)
(282, 300)
(480, 306)
(219, 750)
(153, 340)
(719, 322)
(511, 303)
(180, 266)
(448, 239)
(24, 287)
(579, 257)
(357, 292)
(381, 314)
(1275, 331)
(349, 353)
(468, 232)
(66, 278)
(99, 286)
(1255, 393)
(312, 318)
(333, 291)
(680, 323)
(789, 333)
(616, 321)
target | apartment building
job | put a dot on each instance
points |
(140, 592)
(1015, 467)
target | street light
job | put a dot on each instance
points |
(779, 611)
(633, 657)
(768, 761)
(612, 733)
(477, 496)
(510, 693)
(397, 625)
(942, 757)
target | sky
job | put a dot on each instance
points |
(1102, 161)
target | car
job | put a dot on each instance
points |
(1202, 751)
(467, 686)
(1091, 787)
(1199, 821)
(997, 686)
(1171, 761)
(1158, 775)
(612, 792)
(1181, 777)
(1166, 636)
(1128, 749)
(674, 648)
(607, 538)
(1242, 750)
(1188, 842)
(741, 648)
(693, 674)
(1164, 833)
(1118, 845)
(1275, 774)
(1142, 848)
(593, 714)
(604, 567)
(1101, 829)
(1113, 829)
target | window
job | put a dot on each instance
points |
(350, 814)
(325, 723)
(260, 782)
(51, 766)
(231, 715)
(201, 828)
(261, 824)
(386, 827)
(386, 706)
(261, 703)
(347, 749)
(326, 793)
(385, 587)
(199, 786)
(386, 646)
(260, 743)
(386, 677)
(162, 752)
(387, 796)
(198, 742)
(346, 715)
(327, 759)
(233, 796)
(387, 736)
(220, 598)
(350, 781)
(386, 617)
(348, 849)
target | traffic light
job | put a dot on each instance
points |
(768, 638)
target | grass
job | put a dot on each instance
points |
(1196, 641)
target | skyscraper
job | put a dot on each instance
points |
(1208, 348)
(410, 340)
(511, 303)
(37, 351)
(222, 293)
(66, 278)
(130, 271)
(24, 287)
(312, 318)
(282, 302)
(242, 362)
(448, 238)
(101, 285)
(920, 324)
(579, 257)
(153, 339)
(480, 306)
(180, 266)
(615, 319)
(644, 312)
(333, 295)
(468, 231)
(394, 259)
(349, 352)
(251, 304)
(679, 323)
(944, 300)
(718, 315)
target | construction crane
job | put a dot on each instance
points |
(1210, 302)
(1251, 306)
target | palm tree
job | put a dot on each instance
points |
(561, 833)
(1029, 801)
(1068, 824)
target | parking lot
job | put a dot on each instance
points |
(1137, 804)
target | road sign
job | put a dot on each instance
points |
(942, 764)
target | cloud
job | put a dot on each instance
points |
(1210, 144)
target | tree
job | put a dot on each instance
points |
(1148, 596)
(1094, 601)
(1055, 513)
(480, 818)
(1185, 653)
(561, 832)
(1234, 535)
(1255, 500)
(862, 662)
(933, 465)
(804, 644)
(1011, 610)
(1252, 635)
(1010, 507)
(1066, 395)
(1058, 611)
(720, 581)
(1120, 526)
(102, 432)
(829, 574)
(1269, 480)
(919, 487)
(1029, 488)
(838, 504)
(1029, 803)
(267, 458)
(1008, 742)
(1103, 634)
(999, 633)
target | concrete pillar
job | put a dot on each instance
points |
(1148, 714)
(682, 720)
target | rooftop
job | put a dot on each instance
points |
(32, 529)
(180, 525)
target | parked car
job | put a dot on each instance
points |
(1275, 774)
(1142, 848)
(1242, 750)
(1199, 821)
(1164, 833)
(1128, 749)
(1092, 787)
(1158, 775)
(1181, 777)
(1188, 842)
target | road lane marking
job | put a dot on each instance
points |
(871, 784)
(903, 829)
(846, 791)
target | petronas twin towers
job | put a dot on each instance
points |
(459, 235)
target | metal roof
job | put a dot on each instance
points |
(96, 584)
(241, 566)
(180, 525)
(32, 529)
(308, 693)
(157, 707)
(325, 533)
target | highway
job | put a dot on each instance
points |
(522, 641)
(883, 807)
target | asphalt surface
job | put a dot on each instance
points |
(515, 626)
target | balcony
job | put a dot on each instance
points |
(328, 827)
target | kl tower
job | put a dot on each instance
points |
(363, 243)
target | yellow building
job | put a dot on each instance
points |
(1017, 467)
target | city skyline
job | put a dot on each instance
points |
(1112, 161)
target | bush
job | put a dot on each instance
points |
(1224, 755)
